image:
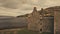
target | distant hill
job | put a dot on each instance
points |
(6, 17)
(12, 22)
(23, 15)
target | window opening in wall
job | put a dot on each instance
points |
(40, 29)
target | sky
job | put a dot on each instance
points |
(21, 7)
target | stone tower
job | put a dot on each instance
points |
(33, 20)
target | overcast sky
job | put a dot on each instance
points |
(20, 7)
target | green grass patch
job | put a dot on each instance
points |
(57, 32)
(25, 31)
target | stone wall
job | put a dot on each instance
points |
(36, 22)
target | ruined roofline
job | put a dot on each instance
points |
(55, 8)
(35, 9)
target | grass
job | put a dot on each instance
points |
(25, 31)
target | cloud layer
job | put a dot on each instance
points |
(19, 7)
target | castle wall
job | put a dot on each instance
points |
(39, 22)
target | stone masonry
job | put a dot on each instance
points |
(38, 22)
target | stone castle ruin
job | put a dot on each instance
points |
(41, 21)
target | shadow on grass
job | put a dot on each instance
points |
(57, 32)
(46, 33)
